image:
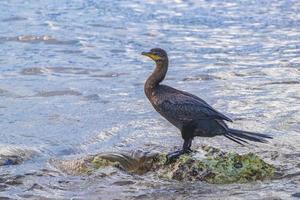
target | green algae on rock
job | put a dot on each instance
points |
(214, 167)
(221, 169)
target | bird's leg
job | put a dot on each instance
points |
(187, 133)
(187, 145)
(186, 149)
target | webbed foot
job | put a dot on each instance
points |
(173, 156)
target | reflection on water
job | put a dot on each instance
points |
(71, 84)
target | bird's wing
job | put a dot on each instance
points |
(186, 107)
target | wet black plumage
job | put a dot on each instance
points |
(189, 113)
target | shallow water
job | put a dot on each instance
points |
(71, 84)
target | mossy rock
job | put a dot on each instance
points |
(214, 167)
(227, 168)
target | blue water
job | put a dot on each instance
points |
(71, 83)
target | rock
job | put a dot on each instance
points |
(223, 168)
(214, 166)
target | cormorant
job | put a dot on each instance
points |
(189, 113)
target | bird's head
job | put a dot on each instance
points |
(157, 54)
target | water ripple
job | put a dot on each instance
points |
(37, 39)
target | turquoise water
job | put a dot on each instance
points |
(71, 84)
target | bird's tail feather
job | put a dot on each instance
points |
(238, 136)
(237, 140)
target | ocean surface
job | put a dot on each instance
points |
(71, 85)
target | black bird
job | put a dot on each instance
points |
(190, 114)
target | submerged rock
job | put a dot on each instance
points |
(214, 166)
(13, 155)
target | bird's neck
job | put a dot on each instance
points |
(156, 77)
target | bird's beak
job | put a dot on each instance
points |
(146, 54)
(151, 55)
